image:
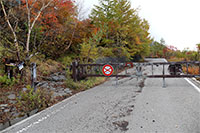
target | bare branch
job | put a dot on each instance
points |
(81, 11)
(33, 4)
(39, 13)
(30, 26)
(12, 29)
(7, 20)
(71, 38)
(29, 14)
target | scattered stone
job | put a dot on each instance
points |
(12, 102)
(133, 96)
(3, 105)
(68, 91)
(33, 112)
(58, 78)
(122, 125)
(15, 114)
(44, 85)
(41, 83)
(52, 84)
(60, 93)
(52, 88)
(55, 94)
(141, 84)
(60, 83)
(12, 96)
(6, 110)
(24, 89)
(153, 121)
(129, 111)
(62, 77)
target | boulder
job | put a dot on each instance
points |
(11, 96)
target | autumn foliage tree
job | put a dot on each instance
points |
(32, 22)
(53, 28)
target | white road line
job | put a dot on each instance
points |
(197, 88)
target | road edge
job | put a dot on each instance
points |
(23, 121)
(197, 88)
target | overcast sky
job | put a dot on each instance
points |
(177, 21)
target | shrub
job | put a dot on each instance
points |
(5, 81)
(30, 100)
(67, 60)
(70, 83)
(47, 67)
(192, 70)
(7, 116)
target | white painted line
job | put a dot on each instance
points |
(197, 88)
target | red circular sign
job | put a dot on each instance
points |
(107, 70)
(129, 64)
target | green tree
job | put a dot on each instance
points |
(157, 49)
(124, 29)
(198, 51)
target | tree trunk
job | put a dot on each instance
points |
(28, 42)
(12, 29)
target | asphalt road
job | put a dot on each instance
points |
(111, 108)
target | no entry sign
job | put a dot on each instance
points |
(107, 70)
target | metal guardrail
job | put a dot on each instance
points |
(81, 70)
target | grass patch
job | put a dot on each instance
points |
(83, 84)
(47, 67)
(7, 82)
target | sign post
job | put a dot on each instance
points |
(33, 76)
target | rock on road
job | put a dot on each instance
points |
(108, 108)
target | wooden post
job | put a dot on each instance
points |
(199, 68)
(74, 70)
(9, 72)
(33, 76)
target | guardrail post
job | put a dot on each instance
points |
(164, 84)
(126, 71)
(74, 70)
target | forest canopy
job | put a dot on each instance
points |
(52, 28)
